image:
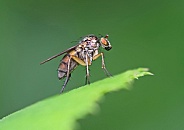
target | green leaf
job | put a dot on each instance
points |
(62, 111)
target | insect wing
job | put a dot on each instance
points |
(61, 53)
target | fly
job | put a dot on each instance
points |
(82, 54)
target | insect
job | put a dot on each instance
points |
(84, 53)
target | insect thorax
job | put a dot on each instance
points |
(89, 46)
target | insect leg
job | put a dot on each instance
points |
(78, 60)
(103, 63)
(87, 71)
(81, 62)
(68, 75)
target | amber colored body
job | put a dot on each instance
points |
(82, 54)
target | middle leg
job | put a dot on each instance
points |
(87, 71)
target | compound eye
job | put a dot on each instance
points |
(104, 41)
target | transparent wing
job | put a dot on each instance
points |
(61, 53)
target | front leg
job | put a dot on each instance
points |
(103, 63)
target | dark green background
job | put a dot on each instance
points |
(142, 33)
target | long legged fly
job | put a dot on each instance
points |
(83, 54)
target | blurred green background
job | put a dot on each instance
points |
(142, 33)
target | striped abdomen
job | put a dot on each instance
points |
(63, 66)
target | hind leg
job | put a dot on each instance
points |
(65, 83)
(68, 75)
